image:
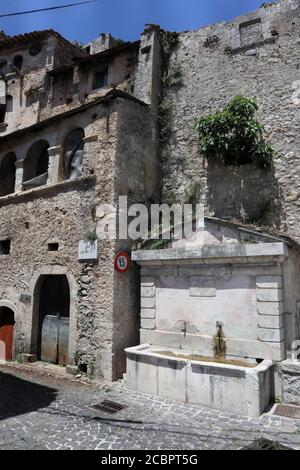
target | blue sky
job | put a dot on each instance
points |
(125, 19)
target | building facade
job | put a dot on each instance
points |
(82, 126)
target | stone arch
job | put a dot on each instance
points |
(73, 147)
(36, 164)
(35, 287)
(8, 174)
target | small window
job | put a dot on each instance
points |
(18, 62)
(9, 104)
(100, 79)
(53, 246)
(3, 66)
(4, 247)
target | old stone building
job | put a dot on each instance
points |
(82, 126)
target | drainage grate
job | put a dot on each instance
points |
(265, 444)
(288, 411)
(108, 406)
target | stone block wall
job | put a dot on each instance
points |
(255, 55)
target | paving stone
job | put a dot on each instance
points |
(53, 414)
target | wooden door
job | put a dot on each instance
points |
(7, 331)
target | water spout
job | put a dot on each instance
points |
(219, 342)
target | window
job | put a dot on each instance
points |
(73, 154)
(36, 165)
(4, 247)
(3, 66)
(100, 79)
(9, 104)
(53, 246)
(18, 62)
(8, 174)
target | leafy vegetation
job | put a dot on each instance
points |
(234, 136)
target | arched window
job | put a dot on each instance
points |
(73, 154)
(36, 165)
(3, 66)
(8, 174)
(9, 104)
(18, 62)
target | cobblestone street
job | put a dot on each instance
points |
(43, 411)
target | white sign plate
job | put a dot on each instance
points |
(88, 250)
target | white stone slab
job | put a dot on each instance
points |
(269, 282)
(148, 313)
(87, 250)
(270, 308)
(147, 302)
(270, 321)
(269, 295)
(147, 291)
(148, 323)
(271, 335)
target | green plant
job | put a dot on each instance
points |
(234, 136)
(260, 213)
(192, 193)
(164, 116)
(173, 77)
(91, 237)
(170, 40)
(228, 50)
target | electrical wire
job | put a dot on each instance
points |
(69, 5)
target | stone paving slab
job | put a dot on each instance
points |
(48, 412)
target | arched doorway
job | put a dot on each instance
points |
(53, 309)
(7, 322)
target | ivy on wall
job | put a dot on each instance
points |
(234, 136)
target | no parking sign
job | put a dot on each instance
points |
(122, 262)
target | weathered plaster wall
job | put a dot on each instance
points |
(28, 87)
(218, 62)
(103, 314)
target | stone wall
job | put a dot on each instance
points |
(257, 56)
(103, 304)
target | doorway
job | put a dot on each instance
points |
(54, 315)
(7, 322)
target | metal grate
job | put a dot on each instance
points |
(265, 444)
(288, 411)
(108, 406)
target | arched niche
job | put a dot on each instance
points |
(36, 165)
(73, 153)
(8, 174)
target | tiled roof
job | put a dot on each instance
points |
(104, 55)
(33, 36)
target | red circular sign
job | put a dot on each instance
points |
(122, 262)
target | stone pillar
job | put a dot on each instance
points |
(55, 168)
(148, 302)
(148, 81)
(270, 312)
(19, 175)
(89, 154)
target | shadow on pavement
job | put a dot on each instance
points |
(19, 396)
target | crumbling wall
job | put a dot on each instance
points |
(255, 55)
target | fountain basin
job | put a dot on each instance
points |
(243, 389)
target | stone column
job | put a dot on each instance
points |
(148, 302)
(55, 168)
(89, 154)
(19, 175)
(270, 312)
